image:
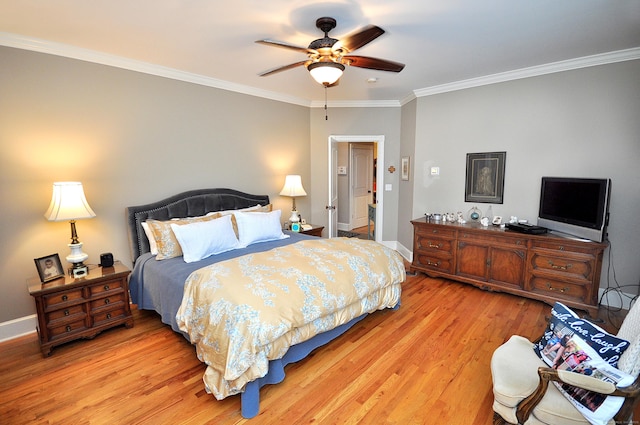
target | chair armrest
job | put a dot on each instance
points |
(630, 393)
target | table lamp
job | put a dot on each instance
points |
(293, 188)
(69, 203)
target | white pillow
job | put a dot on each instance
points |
(203, 239)
(152, 240)
(256, 227)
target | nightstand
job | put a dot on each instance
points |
(314, 231)
(70, 309)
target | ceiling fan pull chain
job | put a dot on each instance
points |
(326, 114)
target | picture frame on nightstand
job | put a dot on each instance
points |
(49, 267)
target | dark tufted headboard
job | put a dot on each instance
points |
(187, 204)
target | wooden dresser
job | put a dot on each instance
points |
(70, 309)
(544, 267)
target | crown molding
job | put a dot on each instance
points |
(64, 50)
(534, 71)
(356, 104)
(87, 55)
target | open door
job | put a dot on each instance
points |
(332, 203)
(361, 184)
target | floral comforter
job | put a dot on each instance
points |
(243, 312)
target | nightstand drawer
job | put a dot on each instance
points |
(106, 316)
(60, 299)
(65, 312)
(96, 290)
(61, 330)
(99, 303)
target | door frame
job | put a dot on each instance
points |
(379, 139)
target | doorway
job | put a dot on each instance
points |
(336, 171)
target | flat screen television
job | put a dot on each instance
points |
(576, 207)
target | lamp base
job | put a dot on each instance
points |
(76, 255)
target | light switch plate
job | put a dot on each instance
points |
(388, 187)
(342, 170)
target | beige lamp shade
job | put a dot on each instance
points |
(68, 203)
(293, 186)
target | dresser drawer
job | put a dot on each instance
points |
(428, 231)
(106, 301)
(433, 262)
(567, 266)
(58, 330)
(425, 244)
(561, 290)
(559, 245)
(60, 299)
(64, 312)
(97, 290)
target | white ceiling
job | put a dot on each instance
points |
(440, 41)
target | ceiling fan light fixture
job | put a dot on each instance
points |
(326, 73)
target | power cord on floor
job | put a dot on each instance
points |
(614, 289)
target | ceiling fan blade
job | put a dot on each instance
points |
(373, 63)
(282, 68)
(285, 45)
(359, 38)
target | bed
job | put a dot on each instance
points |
(230, 305)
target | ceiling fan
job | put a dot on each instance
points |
(328, 56)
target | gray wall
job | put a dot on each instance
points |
(582, 123)
(130, 138)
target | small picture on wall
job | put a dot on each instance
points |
(485, 177)
(404, 167)
(49, 267)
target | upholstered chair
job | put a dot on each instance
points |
(523, 395)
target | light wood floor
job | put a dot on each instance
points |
(426, 363)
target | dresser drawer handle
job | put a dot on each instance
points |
(436, 264)
(557, 267)
(108, 315)
(561, 290)
(435, 245)
(64, 298)
(106, 287)
(68, 328)
(107, 301)
(66, 312)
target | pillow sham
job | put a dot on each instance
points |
(255, 208)
(153, 248)
(202, 239)
(254, 227)
(166, 242)
(574, 344)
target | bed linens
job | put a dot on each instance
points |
(243, 312)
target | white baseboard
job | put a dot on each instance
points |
(18, 327)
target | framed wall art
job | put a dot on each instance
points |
(49, 267)
(404, 168)
(485, 177)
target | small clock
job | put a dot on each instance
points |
(295, 226)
